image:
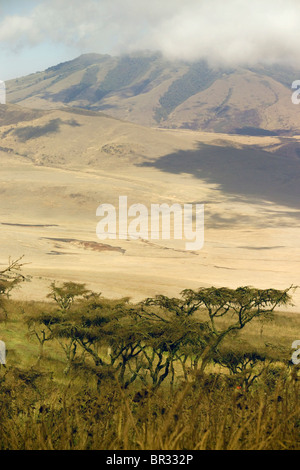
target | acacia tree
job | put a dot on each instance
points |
(225, 310)
(48, 325)
(144, 341)
(41, 325)
(170, 335)
(65, 296)
(108, 333)
(10, 277)
(245, 366)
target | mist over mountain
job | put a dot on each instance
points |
(148, 89)
(231, 33)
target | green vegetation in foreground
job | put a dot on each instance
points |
(208, 370)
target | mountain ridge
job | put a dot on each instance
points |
(150, 90)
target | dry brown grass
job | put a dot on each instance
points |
(42, 409)
(199, 416)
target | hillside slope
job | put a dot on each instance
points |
(57, 166)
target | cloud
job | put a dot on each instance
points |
(230, 32)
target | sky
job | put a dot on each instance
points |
(36, 34)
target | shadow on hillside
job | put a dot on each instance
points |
(33, 132)
(248, 172)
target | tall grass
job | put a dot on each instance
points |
(42, 408)
(197, 416)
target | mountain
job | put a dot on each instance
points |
(151, 91)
